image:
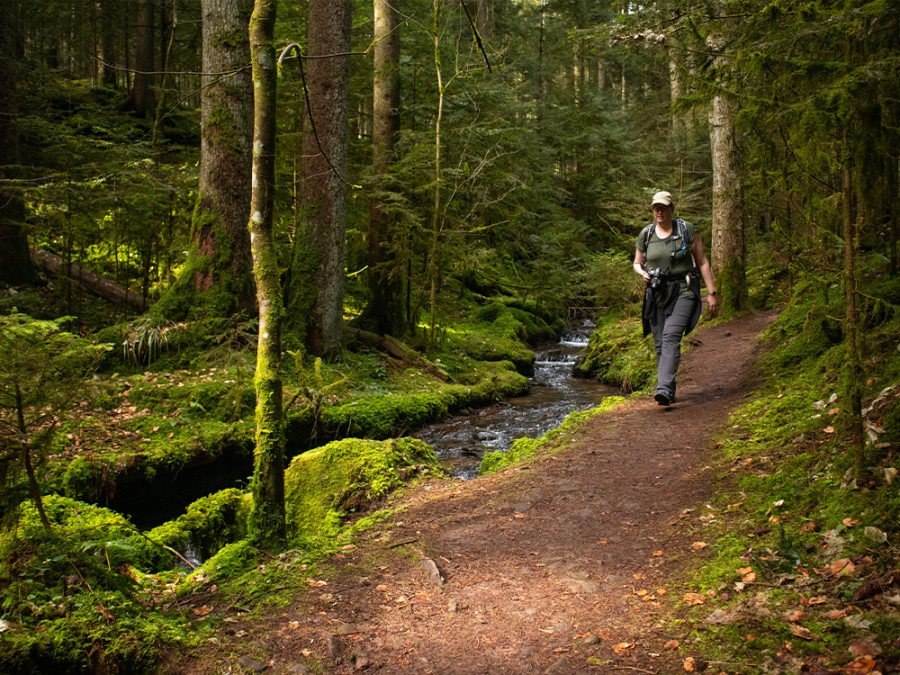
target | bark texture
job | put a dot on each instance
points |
(267, 518)
(223, 203)
(727, 213)
(383, 312)
(319, 253)
(142, 95)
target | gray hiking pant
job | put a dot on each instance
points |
(667, 335)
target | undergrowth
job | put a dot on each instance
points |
(801, 572)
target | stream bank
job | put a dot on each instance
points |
(462, 441)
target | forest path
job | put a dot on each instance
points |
(564, 566)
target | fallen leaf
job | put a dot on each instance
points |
(833, 614)
(860, 666)
(689, 664)
(671, 645)
(794, 616)
(749, 578)
(694, 598)
(861, 649)
(801, 632)
(744, 570)
(829, 429)
(699, 545)
(849, 522)
(842, 567)
(623, 647)
(202, 611)
(656, 554)
(316, 582)
(817, 600)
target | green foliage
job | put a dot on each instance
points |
(42, 370)
(789, 505)
(74, 585)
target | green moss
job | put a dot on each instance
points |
(323, 485)
(231, 561)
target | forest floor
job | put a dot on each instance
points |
(580, 561)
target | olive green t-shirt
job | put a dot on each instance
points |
(658, 251)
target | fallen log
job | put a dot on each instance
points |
(97, 285)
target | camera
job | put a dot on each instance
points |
(655, 276)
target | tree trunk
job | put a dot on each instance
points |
(267, 517)
(316, 298)
(15, 262)
(727, 253)
(853, 373)
(142, 97)
(108, 22)
(99, 286)
(218, 279)
(383, 313)
(484, 19)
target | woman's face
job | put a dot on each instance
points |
(662, 214)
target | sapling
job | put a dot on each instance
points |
(42, 370)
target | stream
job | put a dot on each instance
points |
(460, 442)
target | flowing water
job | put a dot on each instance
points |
(462, 441)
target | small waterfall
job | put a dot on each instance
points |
(462, 441)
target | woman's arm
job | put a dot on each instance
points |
(638, 265)
(701, 261)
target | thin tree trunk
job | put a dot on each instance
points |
(267, 518)
(33, 486)
(142, 95)
(853, 374)
(383, 311)
(433, 264)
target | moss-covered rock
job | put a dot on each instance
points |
(324, 485)
(208, 524)
(617, 354)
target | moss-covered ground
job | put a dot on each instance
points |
(799, 553)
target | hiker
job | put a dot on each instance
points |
(670, 259)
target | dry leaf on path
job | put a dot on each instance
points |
(624, 647)
(842, 567)
(860, 666)
(671, 645)
(801, 632)
(699, 545)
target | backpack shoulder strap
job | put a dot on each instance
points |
(648, 232)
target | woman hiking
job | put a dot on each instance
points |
(670, 259)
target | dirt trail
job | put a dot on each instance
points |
(561, 567)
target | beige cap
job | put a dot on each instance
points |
(663, 198)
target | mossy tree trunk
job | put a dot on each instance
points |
(267, 521)
(316, 293)
(218, 277)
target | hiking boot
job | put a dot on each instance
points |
(664, 397)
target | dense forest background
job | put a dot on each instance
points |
(355, 217)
